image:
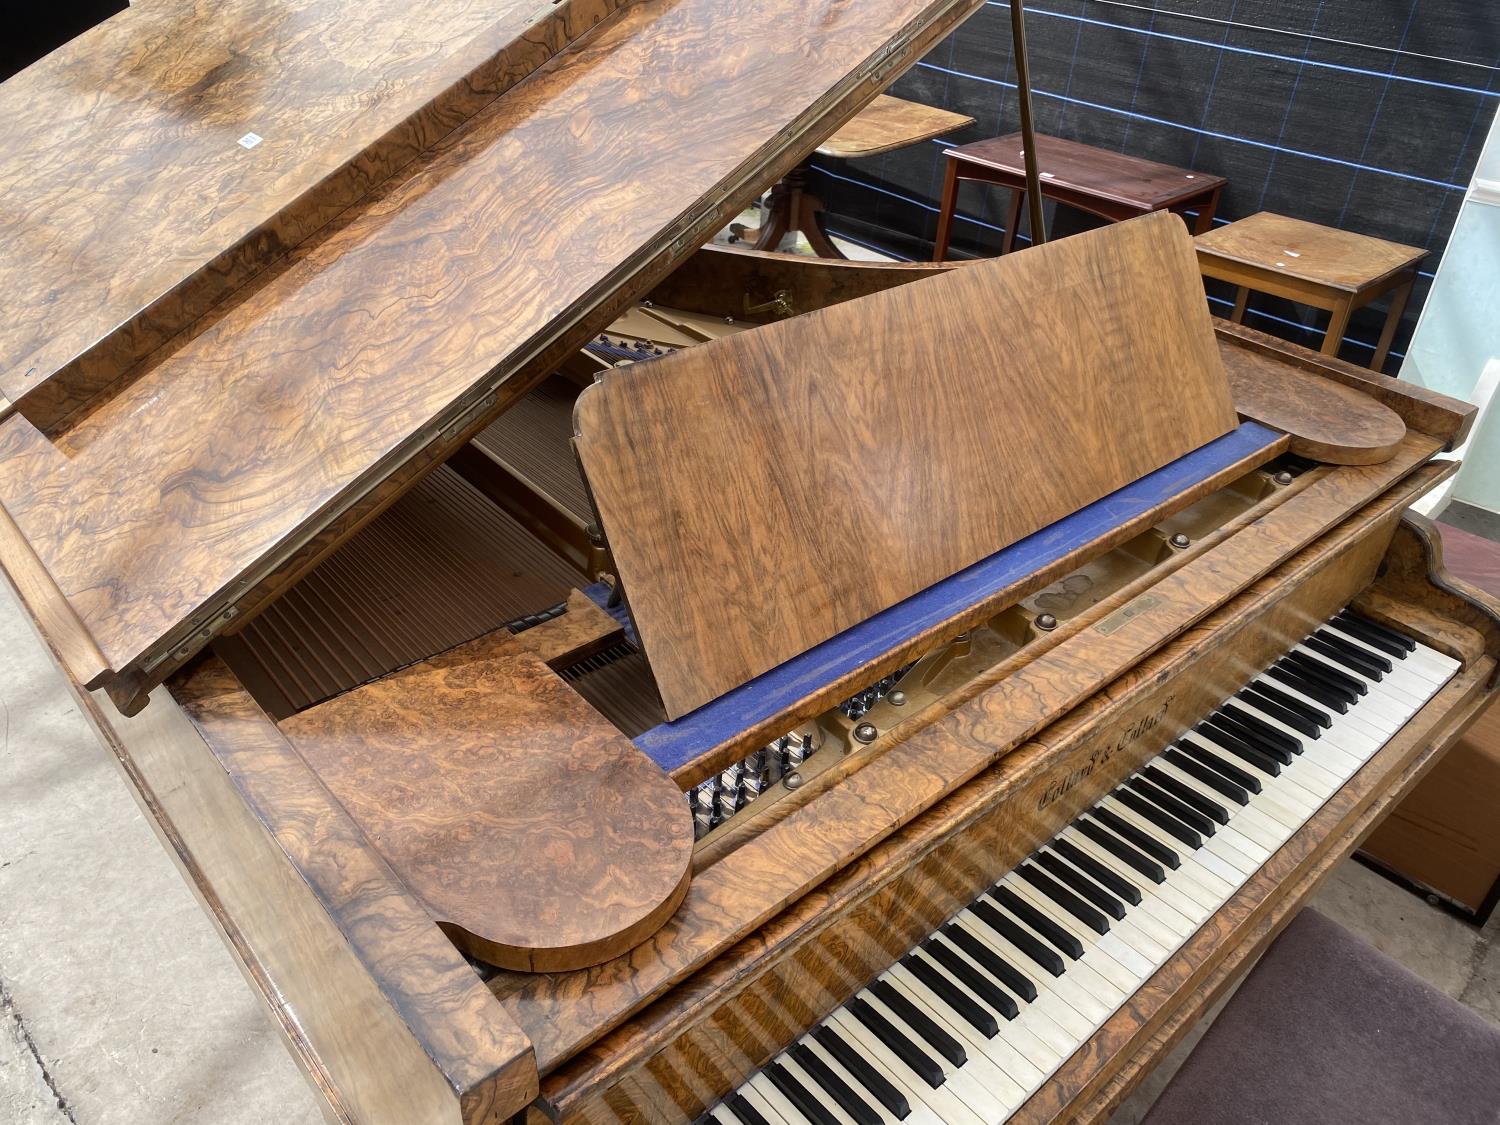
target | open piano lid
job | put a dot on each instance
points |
(176, 500)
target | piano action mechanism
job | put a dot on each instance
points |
(918, 708)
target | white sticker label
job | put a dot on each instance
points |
(249, 140)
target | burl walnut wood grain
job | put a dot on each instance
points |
(1325, 420)
(351, 1001)
(1424, 410)
(954, 740)
(810, 958)
(129, 205)
(383, 346)
(889, 123)
(821, 469)
(537, 835)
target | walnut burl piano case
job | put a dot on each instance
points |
(551, 748)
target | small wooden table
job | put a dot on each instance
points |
(1112, 185)
(885, 124)
(1336, 270)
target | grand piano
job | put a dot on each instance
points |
(586, 679)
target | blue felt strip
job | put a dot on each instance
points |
(675, 743)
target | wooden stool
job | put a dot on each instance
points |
(887, 123)
(1329, 1031)
(1108, 184)
(1314, 265)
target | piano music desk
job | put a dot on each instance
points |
(1111, 185)
(1337, 270)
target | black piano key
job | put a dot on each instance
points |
(1221, 765)
(1264, 729)
(1298, 722)
(1038, 921)
(1038, 950)
(1245, 717)
(1184, 812)
(1159, 817)
(1195, 799)
(1133, 836)
(746, 1112)
(920, 1022)
(976, 1015)
(1346, 657)
(992, 963)
(1315, 690)
(1132, 857)
(709, 1119)
(1240, 749)
(921, 1063)
(874, 1083)
(1208, 775)
(1097, 871)
(1320, 669)
(1315, 715)
(973, 979)
(1081, 884)
(1386, 640)
(844, 1095)
(1250, 737)
(1348, 647)
(799, 1095)
(1064, 898)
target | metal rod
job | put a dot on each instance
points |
(1028, 131)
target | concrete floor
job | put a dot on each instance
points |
(122, 1007)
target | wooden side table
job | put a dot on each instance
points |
(1112, 185)
(885, 124)
(1336, 270)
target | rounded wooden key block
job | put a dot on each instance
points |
(1326, 421)
(538, 837)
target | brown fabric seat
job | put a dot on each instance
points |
(1328, 1031)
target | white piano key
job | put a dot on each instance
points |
(1296, 796)
(826, 1100)
(754, 1092)
(982, 1104)
(1412, 666)
(1060, 1001)
(1167, 932)
(1341, 720)
(858, 1086)
(1004, 1093)
(920, 1112)
(1115, 960)
(942, 1102)
(1192, 902)
(1006, 1054)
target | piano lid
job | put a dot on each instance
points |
(154, 162)
(764, 492)
(258, 438)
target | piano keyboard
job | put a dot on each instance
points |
(969, 1023)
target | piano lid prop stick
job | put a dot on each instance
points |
(1038, 229)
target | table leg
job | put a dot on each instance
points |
(1205, 220)
(945, 213)
(1338, 321)
(1392, 319)
(1012, 220)
(1241, 299)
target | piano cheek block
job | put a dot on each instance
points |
(597, 839)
